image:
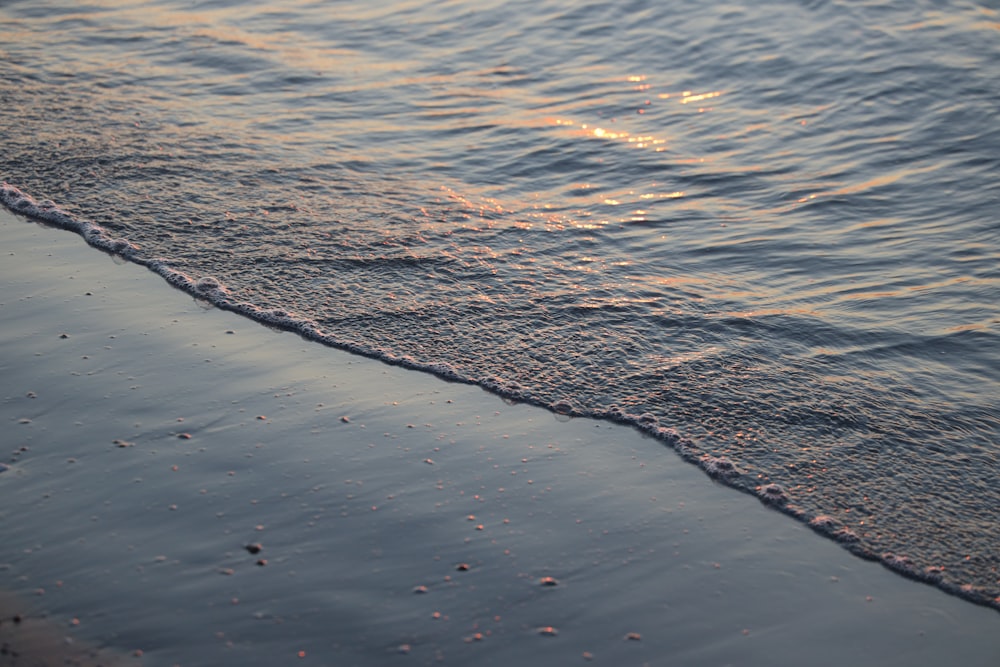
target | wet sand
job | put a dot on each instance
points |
(400, 519)
(27, 639)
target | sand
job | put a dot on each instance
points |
(400, 519)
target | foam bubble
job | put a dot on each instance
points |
(823, 523)
(773, 494)
(208, 285)
(902, 564)
(718, 466)
(615, 413)
(564, 407)
(444, 370)
(502, 387)
(846, 536)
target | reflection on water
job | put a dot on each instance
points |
(763, 233)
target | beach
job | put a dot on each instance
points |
(185, 486)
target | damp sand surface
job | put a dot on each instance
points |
(183, 486)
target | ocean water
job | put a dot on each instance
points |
(766, 233)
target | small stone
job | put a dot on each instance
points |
(254, 548)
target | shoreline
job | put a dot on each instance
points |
(214, 294)
(359, 479)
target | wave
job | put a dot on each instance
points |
(719, 467)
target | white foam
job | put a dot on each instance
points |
(773, 494)
(49, 212)
(718, 466)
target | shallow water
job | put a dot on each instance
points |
(763, 233)
(123, 535)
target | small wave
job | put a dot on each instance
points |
(725, 464)
(49, 212)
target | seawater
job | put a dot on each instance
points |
(766, 233)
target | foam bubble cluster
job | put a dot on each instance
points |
(48, 211)
(718, 466)
(773, 494)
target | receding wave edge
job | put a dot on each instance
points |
(210, 290)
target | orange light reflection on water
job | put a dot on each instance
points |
(589, 131)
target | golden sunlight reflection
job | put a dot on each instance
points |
(687, 96)
(631, 198)
(588, 131)
(477, 209)
(650, 141)
(480, 212)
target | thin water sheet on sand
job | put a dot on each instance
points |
(191, 485)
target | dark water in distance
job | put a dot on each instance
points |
(766, 233)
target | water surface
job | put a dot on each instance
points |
(765, 233)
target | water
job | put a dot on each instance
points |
(763, 232)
